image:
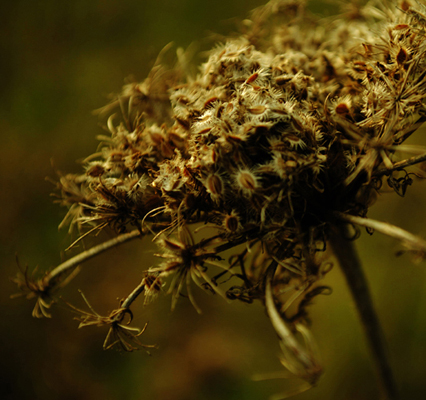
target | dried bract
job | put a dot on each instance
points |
(120, 335)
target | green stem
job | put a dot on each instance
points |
(345, 252)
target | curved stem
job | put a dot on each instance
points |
(411, 241)
(345, 252)
(133, 296)
(298, 359)
(88, 254)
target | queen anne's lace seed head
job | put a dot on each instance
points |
(282, 132)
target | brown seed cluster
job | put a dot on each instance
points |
(282, 132)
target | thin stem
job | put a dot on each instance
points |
(280, 327)
(411, 241)
(88, 254)
(350, 264)
(133, 296)
(401, 165)
(297, 359)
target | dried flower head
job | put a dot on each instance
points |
(279, 143)
(42, 288)
(120, 335)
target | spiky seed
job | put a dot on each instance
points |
(231, 222)
(247, 181)
(342, 109)
(401, 56)
(257, 110)
(214, 184)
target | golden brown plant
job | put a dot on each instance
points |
(282, 140)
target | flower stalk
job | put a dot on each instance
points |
(350, 264)
(86, 255)
(401, 165)
(413, 243)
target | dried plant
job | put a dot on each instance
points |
(120, 335)
(279, 145)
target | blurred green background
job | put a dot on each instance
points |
(58, 62)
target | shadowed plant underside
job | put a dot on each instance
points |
(244, 171)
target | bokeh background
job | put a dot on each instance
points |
(59, 61)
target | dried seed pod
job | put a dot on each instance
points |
(95, 170)
(402, 56)
(231, 222)
(214, 184)
(257, 110)
(209, 102)
(252, 78)
(246, 181)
